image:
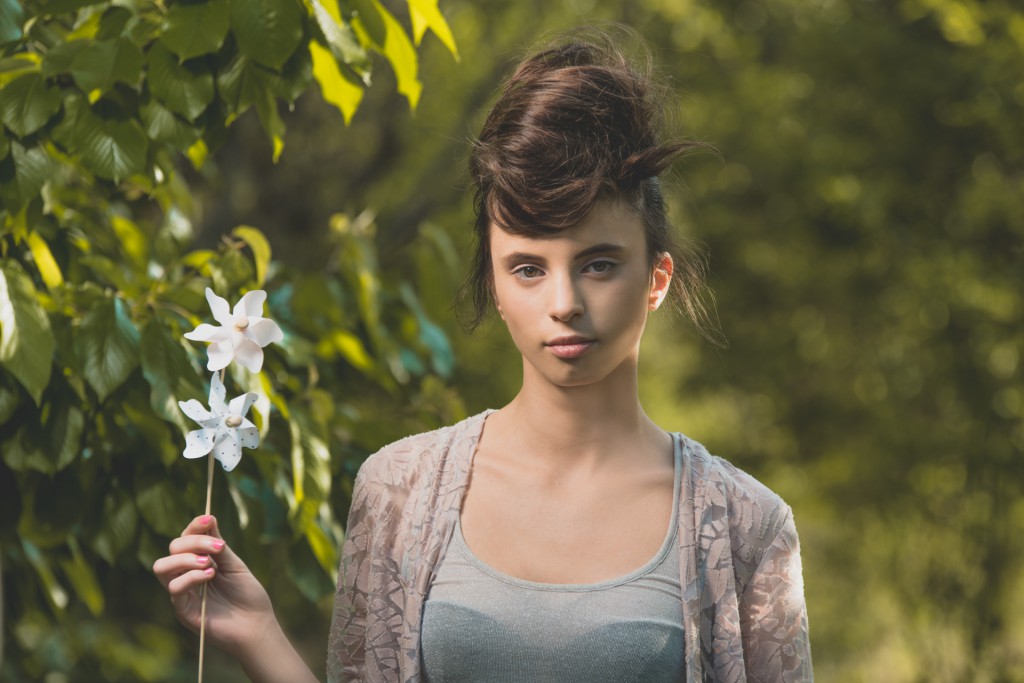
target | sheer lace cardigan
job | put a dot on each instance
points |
(744, 615)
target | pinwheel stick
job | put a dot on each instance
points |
(202, 592)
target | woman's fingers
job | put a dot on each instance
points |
(200, 525)
(167, 568)
(202, 536)
(194, 578)
(200, 545)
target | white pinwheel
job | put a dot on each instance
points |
(243, 332)
(225, 429)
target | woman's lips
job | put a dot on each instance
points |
(570, 347)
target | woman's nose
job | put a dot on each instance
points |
(566, 299)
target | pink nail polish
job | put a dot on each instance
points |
(205, 520)
(202, 559)
(217, 545)
(208, 571)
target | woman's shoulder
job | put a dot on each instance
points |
(723, 479)
(731, 502)
(399, 461)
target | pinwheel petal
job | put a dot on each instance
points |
(228, 451)
(249, 436)
(250, 305)
(198, 443)
(240, 404)
(220, 308)
(207, 333)
(195, 410)
(219, 355)
(218, 396)
(250, 355)
(264, 331)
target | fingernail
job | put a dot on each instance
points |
(217, 545)
(202, 559)
(208, 571)
(206, 520)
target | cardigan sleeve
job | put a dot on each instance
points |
(346, 646)
(773, 614)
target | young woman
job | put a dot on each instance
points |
(565, 536)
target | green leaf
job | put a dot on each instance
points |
(110, 146)
(166, 367)
(306, 574)
(5, 145)
(118, 525)
(107, 344)
(62, 56)
(352, 350)
(82, 579)
(51, 446)
(54, 7)
(324, 549)
(19, 64)
(43, 522)
(377, 26)
(163, 126)
(267, 31)
(185, 89)
(45, 263)
(266, 108)
(294, 78)
(10, 397)
(425, 14)
(22, 453)
(11, 16)
(26, 342)
(195, 29)
(103, 63)
(340, 37)
(260, 250)
(336, 87)
(23, 173)
(56, 594)
(240, 83)
(133, 242)
(112, 23)
(28, 103)
(162, 506)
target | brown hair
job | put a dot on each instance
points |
(575, 124)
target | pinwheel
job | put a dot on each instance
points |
(243, 332)
(225, 429)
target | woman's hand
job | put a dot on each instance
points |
(239, 616)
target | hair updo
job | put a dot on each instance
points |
(575, 124)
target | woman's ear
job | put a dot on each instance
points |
(661, 280)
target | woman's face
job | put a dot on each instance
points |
(576, 303)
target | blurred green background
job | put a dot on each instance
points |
(865, 232)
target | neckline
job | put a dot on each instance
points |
(646, 568)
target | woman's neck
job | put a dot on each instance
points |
(588, 426)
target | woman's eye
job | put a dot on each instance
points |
(526, 272)
(600, 267)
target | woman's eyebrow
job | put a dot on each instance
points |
(603, 248)
(517, 257)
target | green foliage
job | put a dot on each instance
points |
(99, 279)
(865, 229)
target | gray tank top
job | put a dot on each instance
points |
(483, 626)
